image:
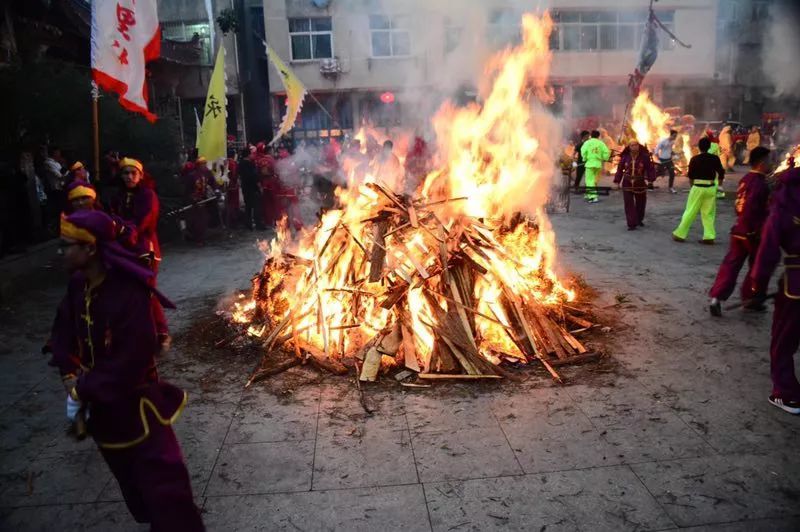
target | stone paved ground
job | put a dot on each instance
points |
(673, 433)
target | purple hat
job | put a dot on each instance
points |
(98, 228)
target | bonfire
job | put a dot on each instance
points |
(456, 280)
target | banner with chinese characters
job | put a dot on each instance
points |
(212, 141)
(125, 36)
(295, 92)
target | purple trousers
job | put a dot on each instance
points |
(634, 196)
(785, 341)
(739, 251)
(155, 483)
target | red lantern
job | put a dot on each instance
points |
(387, 97)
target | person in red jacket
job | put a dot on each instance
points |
(137, 205)
(781, 232)
(104, 343)
(752, 196)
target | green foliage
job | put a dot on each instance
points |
(50, 102)
(228, 21)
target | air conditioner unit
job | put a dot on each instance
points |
(330, 68)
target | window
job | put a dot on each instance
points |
(375, 112)
(452, 35)
(390, 36)
(605, 30)
(311, 38)
(313, 122)
(504, 27)
(186, 31)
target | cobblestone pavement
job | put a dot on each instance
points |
(673, 432)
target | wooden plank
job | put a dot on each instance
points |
(442, 376)
(577, 359)
(319, 359)
(378, 254)
(412, 216)
(409, 349)
(372, 363)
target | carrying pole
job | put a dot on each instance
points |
(96, 130)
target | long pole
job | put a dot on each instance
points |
(96, 129)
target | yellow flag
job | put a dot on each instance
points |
(295, 92)
(212, 140)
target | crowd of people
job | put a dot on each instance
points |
(767, 208)
(258, 186)
(110, 328)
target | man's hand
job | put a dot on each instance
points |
(70, 381)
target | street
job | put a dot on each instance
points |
(672, 431)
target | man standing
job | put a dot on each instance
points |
(594, 153)
(664, 154)
(753, 142)
(232, 207)
(635, 169)
(580, 164)
(751, 211)
(705, 173)
(104, 343)
(782, 231)
(138, 206)
(387, 170)
(248, 177)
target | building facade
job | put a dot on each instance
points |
(389, 61)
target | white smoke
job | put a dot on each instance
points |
(781, 46)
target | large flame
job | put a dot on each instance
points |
(495, 160)
(648, 121)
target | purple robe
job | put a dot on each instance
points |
(752, 196)
(632, 174)
(782, 232)
(106, 335)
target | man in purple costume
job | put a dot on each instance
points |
(635, 167)
(782, 232)
(104, 344)
(752, 196)
(138, 206)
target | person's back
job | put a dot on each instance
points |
(594, 153)
(705, 166)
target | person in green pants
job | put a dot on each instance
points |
(594, 153)
(705, 171)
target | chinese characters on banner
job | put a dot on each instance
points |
(125, 36)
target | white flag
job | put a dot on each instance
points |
(125, 36)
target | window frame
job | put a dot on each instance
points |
(634, 27)
(310, 34)
(391, 31)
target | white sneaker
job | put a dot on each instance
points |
(793, 407)
(673, 190)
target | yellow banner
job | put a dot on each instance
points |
(295, 92)
(212, 140)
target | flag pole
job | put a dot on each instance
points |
(96, 130)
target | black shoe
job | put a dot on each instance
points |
(793, 407)
(715, 308)
(755, 306)
(632, 228)
(641, 224)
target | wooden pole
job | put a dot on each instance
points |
(96, 130)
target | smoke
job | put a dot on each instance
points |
(781, 45)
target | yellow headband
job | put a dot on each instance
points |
(75, 166)
(70, 230)
(81, 192)
(127, 161)
(201, 160)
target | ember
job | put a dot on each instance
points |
(449, 282)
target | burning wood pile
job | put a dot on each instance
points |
(451, 281)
